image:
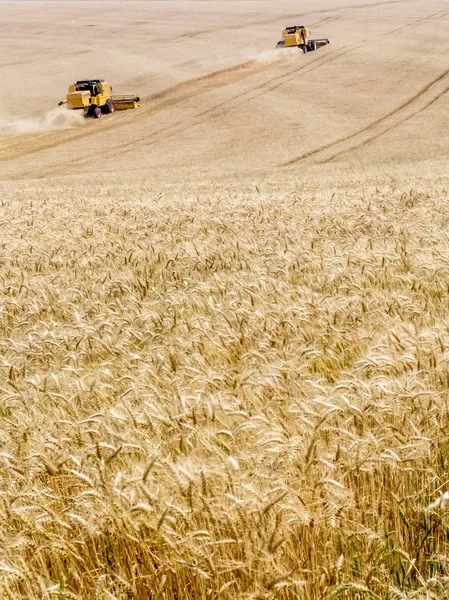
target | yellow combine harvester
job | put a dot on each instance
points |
(94, 96)
(300, 37)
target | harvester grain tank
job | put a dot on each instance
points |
(94, 97)
(300, 37)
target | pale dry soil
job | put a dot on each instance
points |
(224, 332)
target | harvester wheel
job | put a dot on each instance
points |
(96, 112)
(109, 107)
(312, 46)
(304, 49)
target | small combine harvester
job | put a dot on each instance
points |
(299, 36)
(94, 97)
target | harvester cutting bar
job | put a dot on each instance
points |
(125, 102)
(322, 42)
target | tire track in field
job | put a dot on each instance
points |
(287, 75)
(273, 19)
(22, 145)
(330, 19)
(399, 122)
(136, 81)
(416, 104)
(312, 65)
(326, 59)
(276, 78)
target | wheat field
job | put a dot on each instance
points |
(224, 335)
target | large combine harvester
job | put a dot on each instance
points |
(300, 37)
(94, 97)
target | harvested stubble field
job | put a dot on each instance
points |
(224, 331)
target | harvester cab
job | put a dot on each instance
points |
(94, 97)
(300, 37)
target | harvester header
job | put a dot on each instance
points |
(94, 97)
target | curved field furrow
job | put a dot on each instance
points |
(435, 89)
(388, 127)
